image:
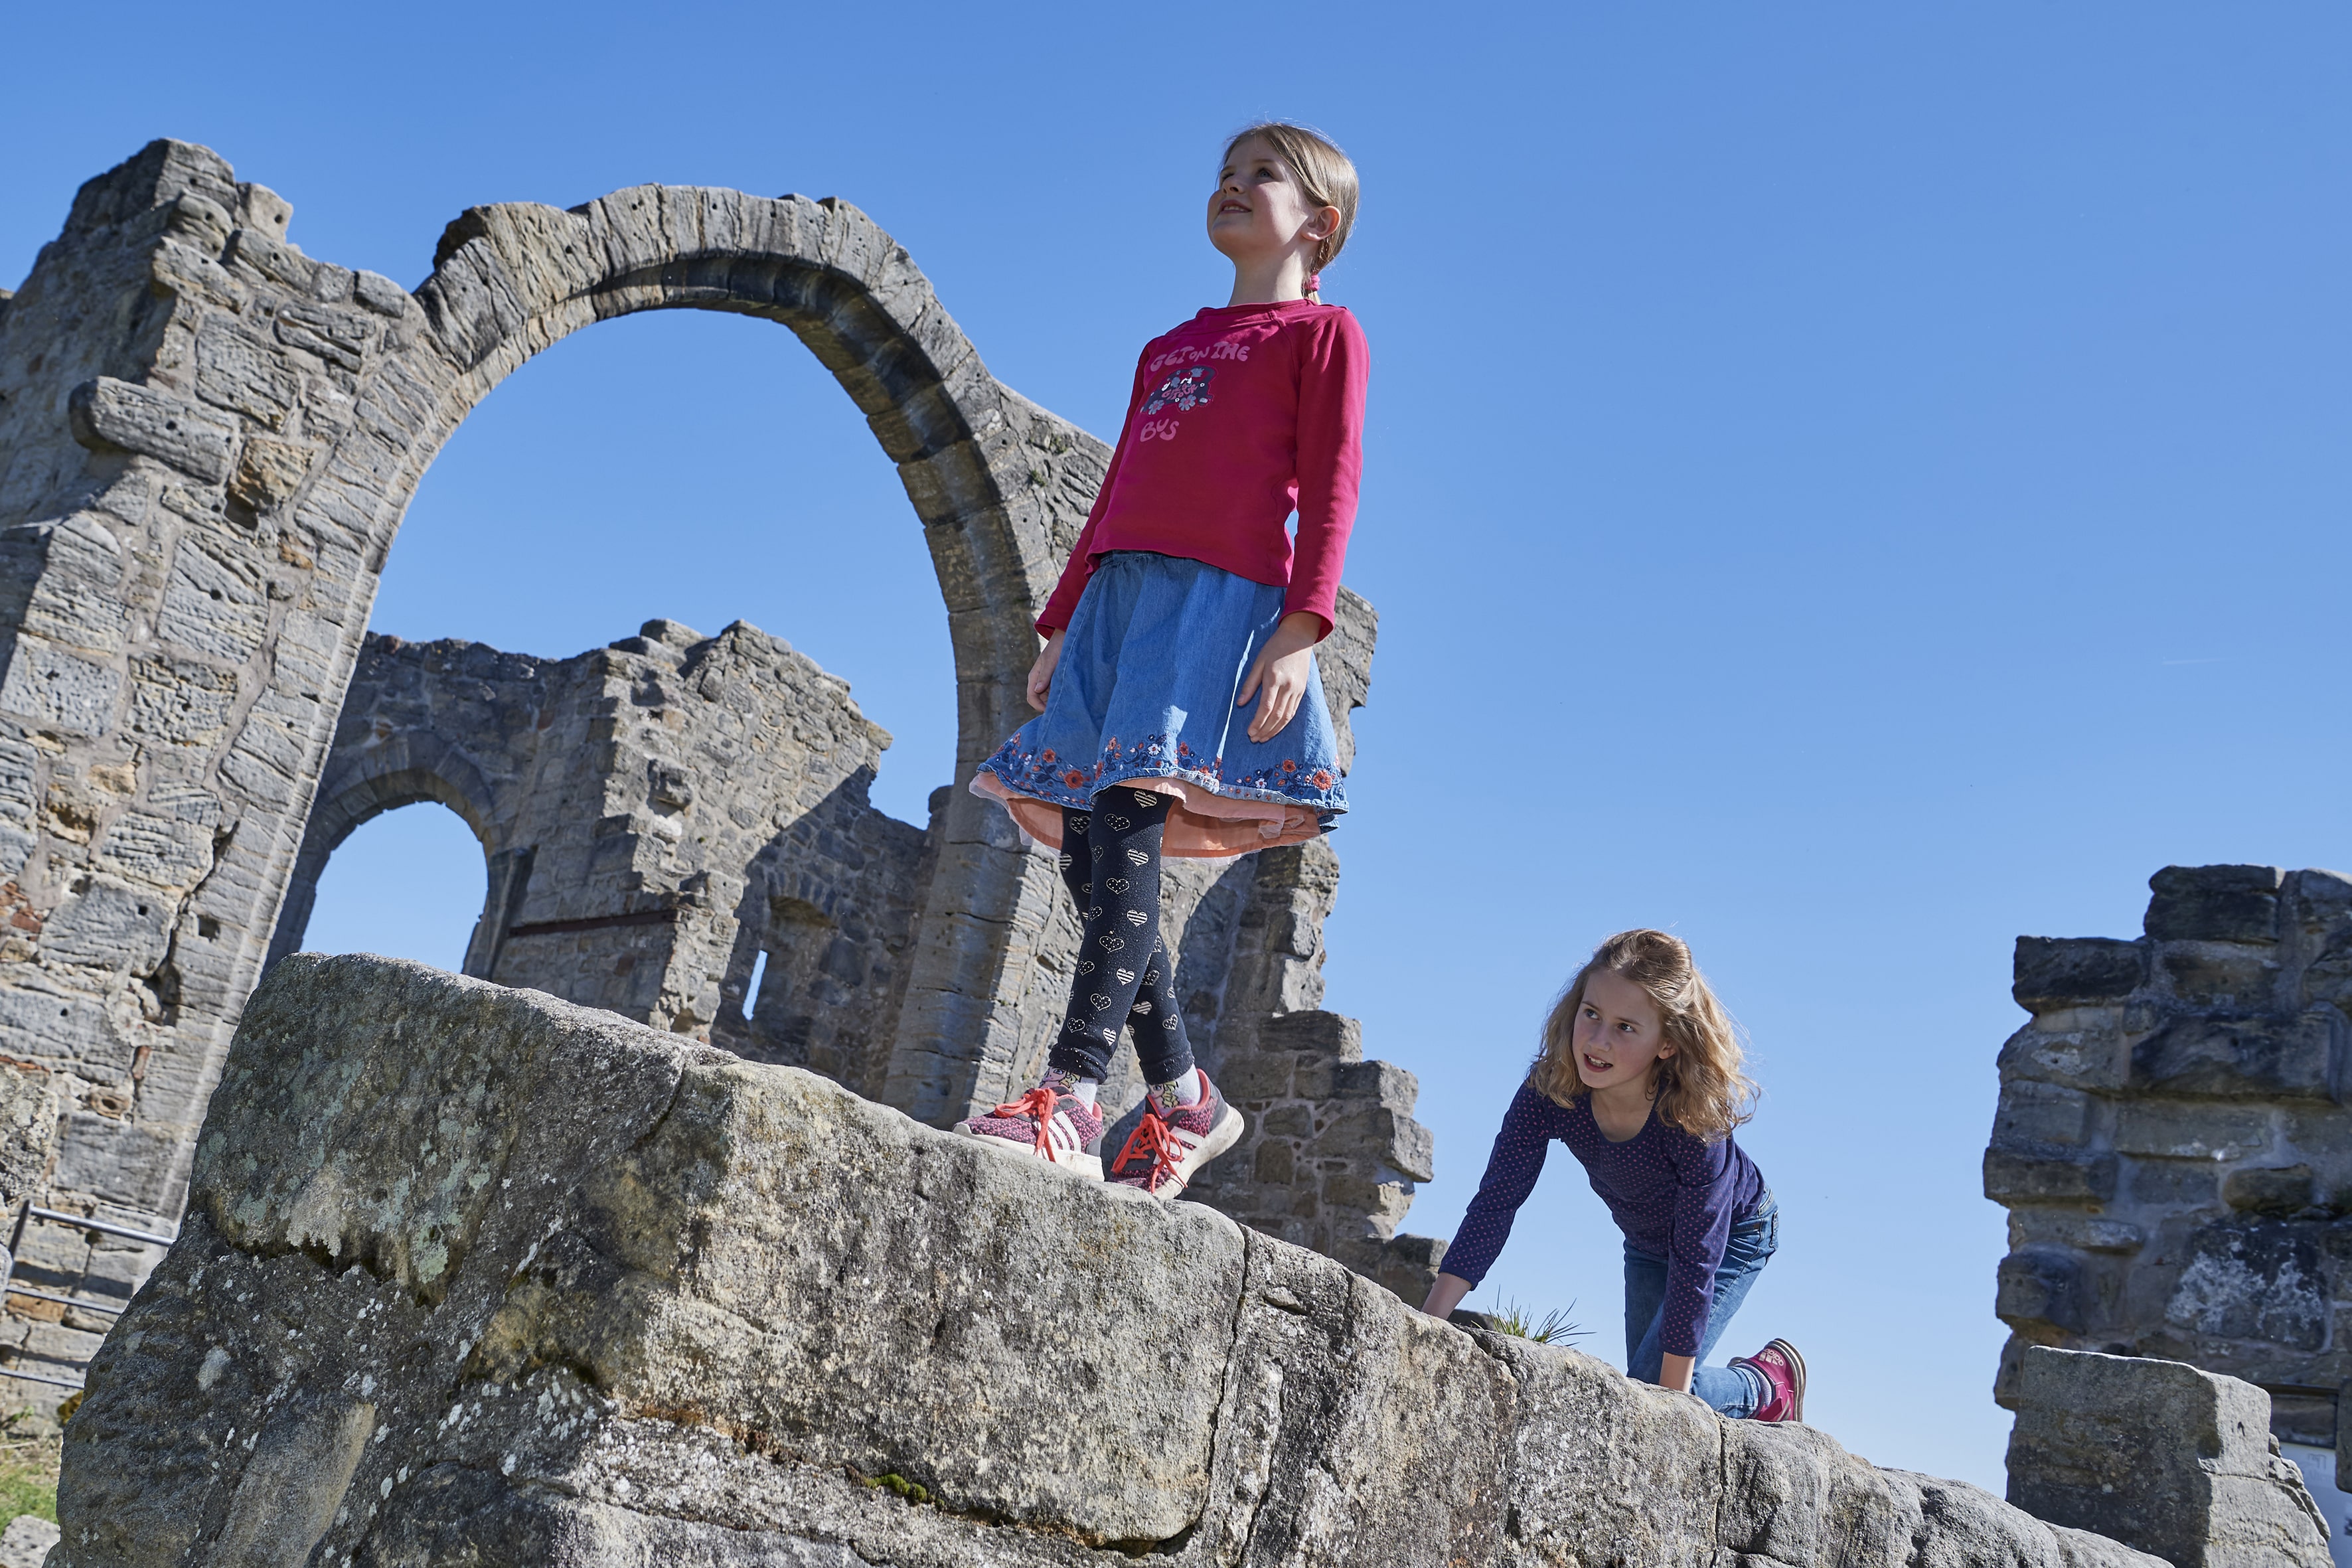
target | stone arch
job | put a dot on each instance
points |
(207, 441)
(1000, 486)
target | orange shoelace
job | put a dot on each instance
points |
(1154, 1140)
(1040, 1105)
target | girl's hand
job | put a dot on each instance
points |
(1445, 1295)
(1278, 676)
(1041, 674)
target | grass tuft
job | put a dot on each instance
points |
(1554, 1328)
(28, 1473)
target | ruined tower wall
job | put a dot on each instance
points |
(652, 815)
(206, 443)
(2173, 1145)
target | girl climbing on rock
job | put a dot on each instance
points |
(1639, 1075)
(1179, 709)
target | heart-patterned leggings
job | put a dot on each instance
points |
(1111, 860)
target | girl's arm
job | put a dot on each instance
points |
(1445, 1295)
(1702, 1229)
(1080, 566)
(1334, 367)
(1511, 1172)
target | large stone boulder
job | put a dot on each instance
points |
(2175, 1460)
(472, 1276)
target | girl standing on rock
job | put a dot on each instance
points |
(1640, 1076)
(1181, 711)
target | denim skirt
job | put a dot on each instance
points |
(1154, 656)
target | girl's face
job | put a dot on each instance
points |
(1257, 209)
(1619, 1037)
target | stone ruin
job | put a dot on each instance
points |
(660, 813)
(654, 815)
(525, 1266)
(207, 440)
(2173, 1145)
(472, 1276)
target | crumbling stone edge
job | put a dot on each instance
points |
(468, 1269)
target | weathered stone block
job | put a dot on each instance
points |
(2178, 1129)
(60, 1028)
(2084, 1058)
(110, 924)
(215, 603)
(268, 472)
(2227, 976)
(1256, 1075)
(180, 702)
(2279, 1190)
(110, 413)
(245, 376)
(338, 337)
(2215, 903)
(2012, 1176)
(115, 1162)
(2059, 972)
(264, 255)
(2254, 1280)
(58, 690)
(2174, 1183)
(1331, 1036)
(2161, 1456)
(2033, 1115)
(2243, 1059)
(28, 1130)
(380, 293)
(2084, 1233)
(2040, 1287)
(78, 601)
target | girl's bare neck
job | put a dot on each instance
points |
(1277, 282)
(1621, 1110)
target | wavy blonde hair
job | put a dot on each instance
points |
(1700, 1088)
(1326, 177)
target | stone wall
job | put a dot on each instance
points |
(473, 1276)
(654, 814)
(207, 441)
(2177, 1462)
(2172, 1142)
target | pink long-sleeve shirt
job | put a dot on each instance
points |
(1239, 416)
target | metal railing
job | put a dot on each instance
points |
(25, 1215)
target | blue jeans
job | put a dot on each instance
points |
(1729, 1390)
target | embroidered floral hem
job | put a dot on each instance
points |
(1146, 689)
(1205, 825)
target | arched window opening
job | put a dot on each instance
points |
(405, 884)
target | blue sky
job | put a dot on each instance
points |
(1849, 484)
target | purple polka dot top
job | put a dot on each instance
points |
(1675, 1197)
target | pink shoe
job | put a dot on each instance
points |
(1169, 1146)
(1042, 1124)
(1784, 1370)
